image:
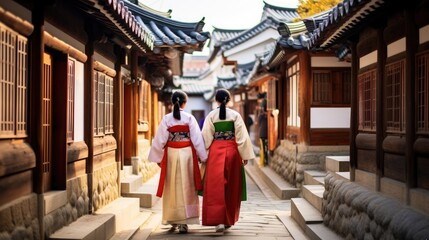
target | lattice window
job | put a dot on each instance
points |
(109, 104)
(331, 87)
(103, 104)
(13, 83)
(422, 87)
(271, 95)
(46, 113)
(144, 101)
(293, 86)
(322, 87)
(394, 96)
(367, 100)
(71, 72)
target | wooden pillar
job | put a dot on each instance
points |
(135, 105)
(411, 33)
(37, 49)
(380, 126)
(282, 96)
(89, 105)
(354, 110)
(304, 95)
(118, 103)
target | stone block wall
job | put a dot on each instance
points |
(105, 185)
(291, 160)
(18, 219)
(77, 206)
(355, 212)
(145, 168)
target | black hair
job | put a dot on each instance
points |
(178, 98)
(223, 97)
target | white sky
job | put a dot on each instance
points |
(225, 14)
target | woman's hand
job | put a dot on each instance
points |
(245, 162)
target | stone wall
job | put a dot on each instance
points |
(77, 206)
(145, 168)
(355, 212)
(291, 160)
(18, 219)
(105, 185)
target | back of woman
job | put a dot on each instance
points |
(226, 137)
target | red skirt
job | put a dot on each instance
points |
(223, 175)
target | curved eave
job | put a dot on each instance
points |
(341, 20)
(121, 20)
(250, 33)
(149, 16)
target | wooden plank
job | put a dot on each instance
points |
(329, 136)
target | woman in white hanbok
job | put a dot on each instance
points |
(177, 146)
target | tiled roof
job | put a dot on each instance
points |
(227, 83)
(167, 32)
(146, 28)
(219, 35)
(280, 14)
(342, 19)
(271, 17)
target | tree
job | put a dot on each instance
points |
(308, 8)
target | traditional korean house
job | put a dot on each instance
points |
(308, 101)
(78, 91)
(387, 44)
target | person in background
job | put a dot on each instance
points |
(176, 148)
(263, 128)
(226, 137)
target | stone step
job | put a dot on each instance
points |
(88, 227)
(292, 226)
(125, 211)
(342, 175)
(304, 213)
(337, 163)
(313, 177)
(131, 183)
(146, 192)
(113, 218)
(129, 230)
(126, 171)
(319, 231)
(314, 195)
(277, 184)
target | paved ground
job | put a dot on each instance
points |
(258, 218)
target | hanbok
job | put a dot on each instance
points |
(224, 180)
(176, 147)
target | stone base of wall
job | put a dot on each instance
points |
(145, 168)
(76, 206)
(105, 185)
(18, 219)
(291, 160)
(355, 212)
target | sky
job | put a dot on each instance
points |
(225, 14)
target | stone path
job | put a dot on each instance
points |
(258, 218)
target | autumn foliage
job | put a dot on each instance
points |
(308, 8)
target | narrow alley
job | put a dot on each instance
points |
(260, 217)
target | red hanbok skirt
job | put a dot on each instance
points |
(223, 184)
